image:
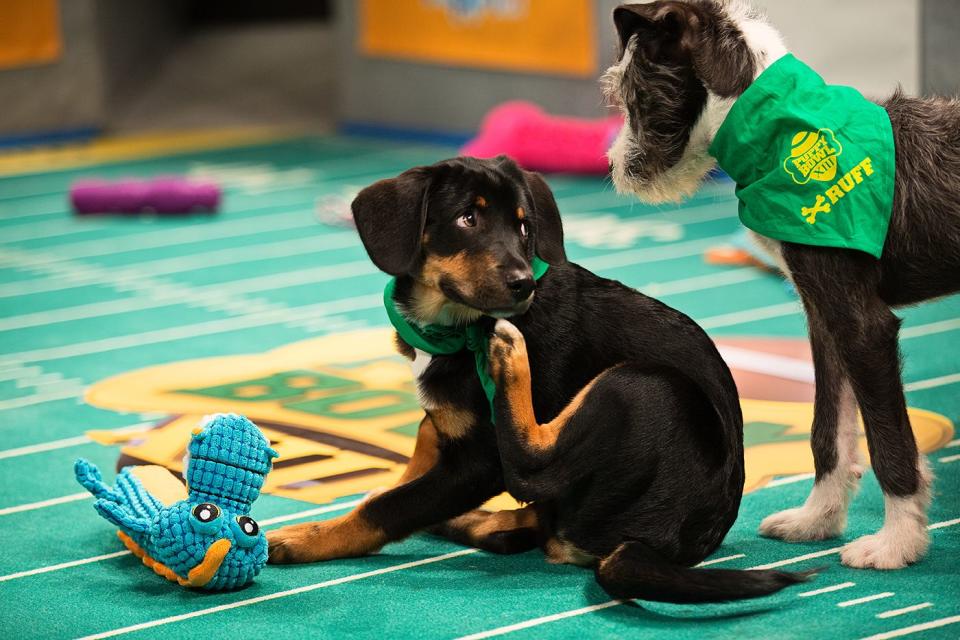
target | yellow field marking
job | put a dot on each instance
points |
(115, 149)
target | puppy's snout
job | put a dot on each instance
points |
(521, 285)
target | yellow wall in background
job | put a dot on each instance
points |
(29, 32)
(547, 36)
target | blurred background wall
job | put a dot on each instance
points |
(130, 65)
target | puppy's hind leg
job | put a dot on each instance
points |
(504, 532)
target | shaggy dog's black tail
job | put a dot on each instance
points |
(636, 571)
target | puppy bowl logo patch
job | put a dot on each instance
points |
(342, 411)
(813, 155)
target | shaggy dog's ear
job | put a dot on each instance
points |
(390, 215)
(676, 32)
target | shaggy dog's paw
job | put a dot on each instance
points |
(801, 524)
(886, 549)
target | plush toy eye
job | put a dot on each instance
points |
(206, 512)
(248, 525)
(523, 229)
(468, 219)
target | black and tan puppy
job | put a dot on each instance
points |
(616, 420)
(683, 65)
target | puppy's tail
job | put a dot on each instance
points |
(634, 570)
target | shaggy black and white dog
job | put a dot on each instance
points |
(683, 64)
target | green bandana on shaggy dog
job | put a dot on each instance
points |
(814, 163)
(442, 340)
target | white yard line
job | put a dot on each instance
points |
(62, 565)
(280, 594)
(210, 327)
(865, 599)
(699, 283)
(830, 589)
(807, 556)
(778, 482)
(952, 443)
(46, 446)
(751, 315)
(916, 628)
(56, 228)
(59, 208)
(17, 372)
(899, 612)
(73, 497)
(66, 393)
(930, 328)
(949, 459)
(736, 556)
(309, 513)
(169, 237)
(670, 251)
(64, 443)
(161, 294)
(85, 275)
(939, 381)
(535, 622)
(943, 524)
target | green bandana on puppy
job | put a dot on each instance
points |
(443, 340)
(814, 163)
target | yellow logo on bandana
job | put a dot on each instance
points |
(813, 155)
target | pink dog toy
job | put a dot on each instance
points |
(541, 142)
(160, 195)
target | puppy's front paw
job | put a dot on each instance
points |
(801, 524)
(506, 346)
(886, 549)
(507, 331)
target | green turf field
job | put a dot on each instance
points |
(82, 300)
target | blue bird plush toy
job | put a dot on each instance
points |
(200, 536)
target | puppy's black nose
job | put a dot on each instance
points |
(521, 285)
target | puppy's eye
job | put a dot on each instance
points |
(523, 230)
(468, 219)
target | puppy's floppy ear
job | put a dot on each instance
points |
(679, 32)
(390, 215)
(547, 228)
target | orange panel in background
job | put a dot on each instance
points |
(548, 36)
(29, 32)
